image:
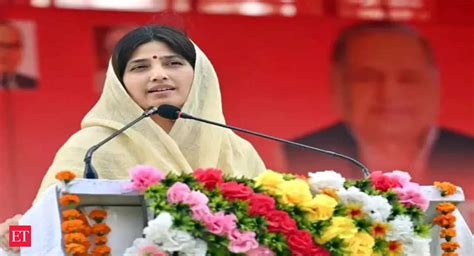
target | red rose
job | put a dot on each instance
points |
(210, 177)
(319, 251)
(234, 190)
(300, 242)
(260, 204)
(280, 221)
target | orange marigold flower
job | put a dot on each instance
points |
(450, 246)
(100, 229)
(75, 238)
(98, 215)
(447, 233)
(86, 230)
(445, 221)
(445, 208)
(71, 214)
(75, 249)
(70, 226)
(87, 244)
(67, 200)
(446, 188)
(84, 219)
(449, 254)
(101, 250)
(65, 176)
(100, 240)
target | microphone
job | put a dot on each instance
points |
(173, 113)
(89, 170)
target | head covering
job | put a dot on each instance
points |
(188, 146)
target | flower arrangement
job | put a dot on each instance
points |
(209, 213)
(446, 220)
(75, 226)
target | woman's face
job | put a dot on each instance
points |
(156, 75)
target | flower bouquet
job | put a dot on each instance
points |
(209, 213)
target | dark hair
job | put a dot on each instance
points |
(173, 38)
(339, 50)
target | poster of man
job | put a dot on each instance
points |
(18, 67)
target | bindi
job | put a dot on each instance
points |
(155, 57)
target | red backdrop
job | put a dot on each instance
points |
(270, 69)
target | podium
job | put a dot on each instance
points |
(128, 215)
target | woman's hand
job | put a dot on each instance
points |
(4, 233)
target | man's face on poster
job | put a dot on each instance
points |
(10, 48)
(388, 87)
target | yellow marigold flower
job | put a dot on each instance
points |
(360, 244)
(269, 180)
(330, 192)
(445, 207)
(379, 230)
(446, 188)
(294, 192)
(449, 232)
(65, 176)
(354, 210)
(341, 227)
(450, 246)
(321, 207)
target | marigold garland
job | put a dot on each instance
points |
(75, 225)
(446, 220)
(101, 230)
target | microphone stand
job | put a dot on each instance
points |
(89, 170)
(364, 169)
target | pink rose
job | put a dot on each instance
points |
(151, 250)
(144, 176)
(411, 194)
(200, 213)
(220, 223)
(211, 177)
(196, 199)
(401, 177)
(178, 193)
(241, 242)
(260, 251)
(384, 182)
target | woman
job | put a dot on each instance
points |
(155, 65)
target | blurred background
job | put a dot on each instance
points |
(272, 58)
